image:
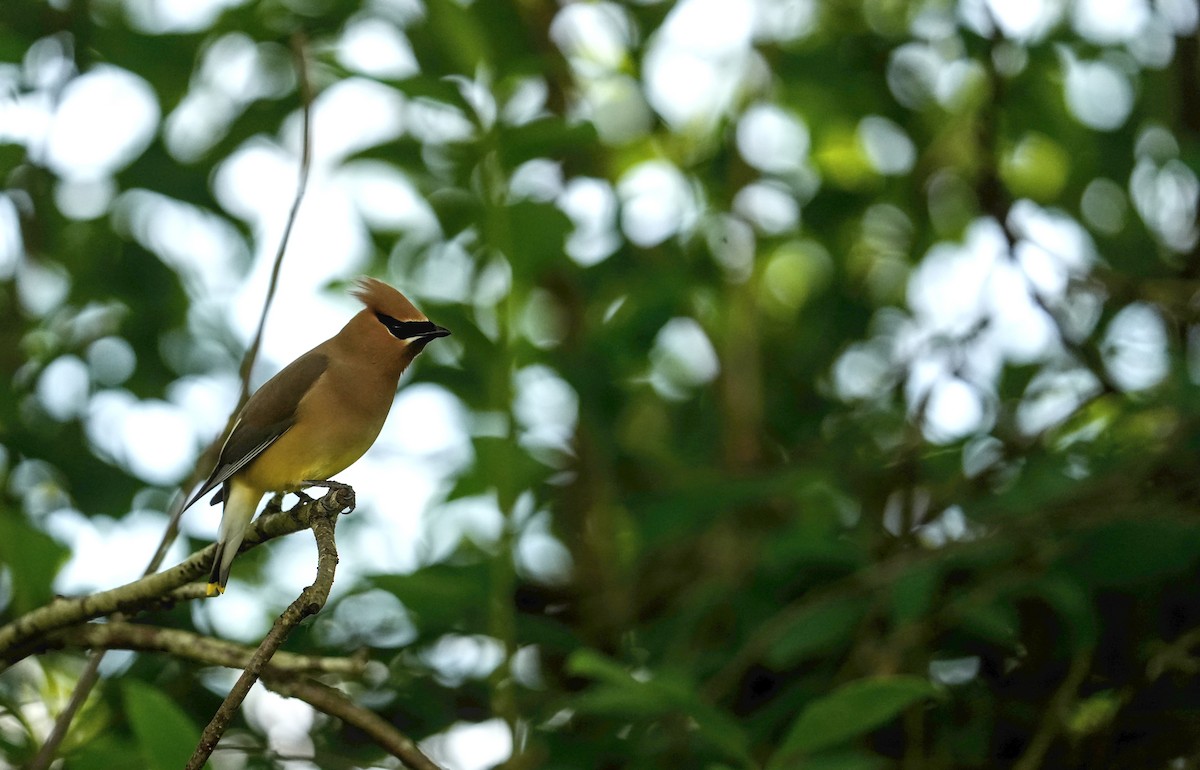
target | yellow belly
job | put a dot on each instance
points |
(303, 455)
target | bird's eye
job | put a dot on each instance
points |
(406, 330)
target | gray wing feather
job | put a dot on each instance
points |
(269, 413)
(224, 470)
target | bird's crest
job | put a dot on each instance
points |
(381, 298)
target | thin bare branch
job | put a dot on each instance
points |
(195, 647)
(310, 602)
(334, 703)
(1054, 717)
(18, 638)
(300, 60)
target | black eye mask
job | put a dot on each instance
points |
(406, 330)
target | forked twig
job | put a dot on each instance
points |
(310, 602)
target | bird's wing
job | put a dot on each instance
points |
(269, 413)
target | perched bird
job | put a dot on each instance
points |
(317, 416)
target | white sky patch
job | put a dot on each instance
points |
(1135, 347)
(1109, 21)
(1019, 329)
(546, 408)
(886, 145)
(592, 206)
(772, 139)
(163, 435)
(199, 245)
(682, 358)
(470, 746)
(783, 19)
(62, 387)
(152, 439)
(595, 37)
(1165, 198)
(350, 116)
(159, 17)
(769, 205)
(1098, 94)
(954, 410)
(79, 198)
(25, 118)
(459, 657)
(540, 555)
(540, 179)
(11, 247)
(946, 290)
(376, 48)
(287, 722)
(106, 552)
(696, 59)
(657, 202)
(477, 519)
(1051, 397)
(89, 135)
(386, 199)
(257, 181)
(1025, 20)
(864, 371)
(975, 287)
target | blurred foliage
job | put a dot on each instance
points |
(811, 522)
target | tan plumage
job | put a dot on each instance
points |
(318, 415)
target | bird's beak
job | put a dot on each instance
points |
(438, 332)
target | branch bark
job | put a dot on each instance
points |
(21, 637)
(204, 650)
(334, 702)
(310, 602)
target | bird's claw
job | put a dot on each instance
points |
(334, 487)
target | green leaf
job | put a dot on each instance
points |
(1070, 601)
(105, 753)
(824, 627)
(538, 232)
(442, 597)
(33, 557)
(1128, 552)
(622, 695)
(913, 592)
(591, 664)
(456, 31)
(846, 760)
(165, 733)
(1037, 168)
(850, 711)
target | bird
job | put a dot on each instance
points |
(315, 417)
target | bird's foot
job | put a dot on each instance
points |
(275, 504)
(334, 487)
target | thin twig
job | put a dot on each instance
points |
(88, 678)
(204, 650)
(310, 602)
(19, 638)
(1055, 714)
(335, 703)
(300, 62)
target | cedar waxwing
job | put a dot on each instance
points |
(317, 416)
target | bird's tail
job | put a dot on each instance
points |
(240, 505)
